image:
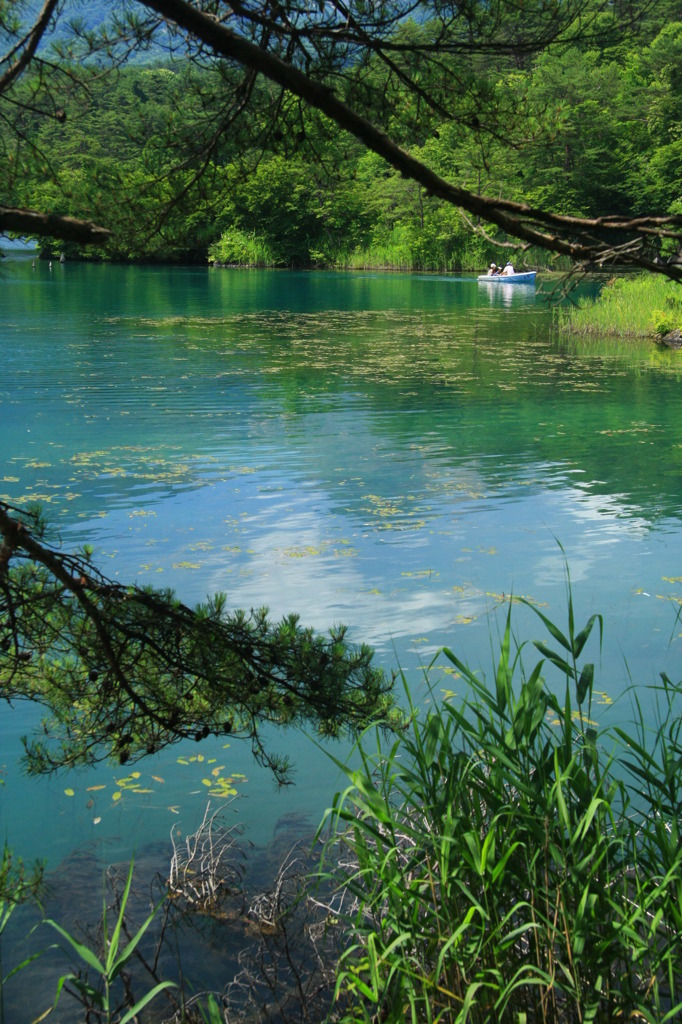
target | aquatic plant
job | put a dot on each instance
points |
(502, 859)
(207, 867)
(109, 966)
(17, 886)
(239, 248)
(509, 862)
(640, 306)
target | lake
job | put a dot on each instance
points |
(396, 452)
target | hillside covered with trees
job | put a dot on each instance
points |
(585, 122)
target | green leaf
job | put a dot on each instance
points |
(434, 737)
(147, 998)
(582, 637)
(84, 952)
(585, 682)
(503, 677)
(556, 659)
(554, 630)
(112, 944)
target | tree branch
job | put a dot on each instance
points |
(125, 671)
(576, 237)
(30, 44)
(70, 229)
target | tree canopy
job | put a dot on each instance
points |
(534, 86)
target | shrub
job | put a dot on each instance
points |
(662, 321)
(237, 248)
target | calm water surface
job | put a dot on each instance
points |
(394, 452)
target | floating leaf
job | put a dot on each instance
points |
(577, 717)
(116, 796)
(134, 775)
(223, 791)
(157, 778)
(69, 792)
(174, 810)
(96, 821)
(91, 789)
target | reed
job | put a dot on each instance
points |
(390, 256)
(647, 305)
(242, 249)
(107, 997)
(508, 862)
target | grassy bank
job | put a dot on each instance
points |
(646, 306)
(402, 249)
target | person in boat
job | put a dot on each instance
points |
(494, 270)
(508, 269)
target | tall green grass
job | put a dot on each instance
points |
(508, 862)
(407, 247)
(239, 248)
(643, 306)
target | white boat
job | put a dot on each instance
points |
(527, 278)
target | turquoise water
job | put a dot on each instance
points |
(396, 452)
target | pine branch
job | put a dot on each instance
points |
(125, 671)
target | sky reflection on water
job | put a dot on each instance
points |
(400, 453)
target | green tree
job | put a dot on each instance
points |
(576, 162)
(655, 155)
(368, 70)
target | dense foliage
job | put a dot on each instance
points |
(510, 860)
(587, 128)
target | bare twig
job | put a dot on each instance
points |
(205, 872)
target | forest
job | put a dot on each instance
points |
(588, 127)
